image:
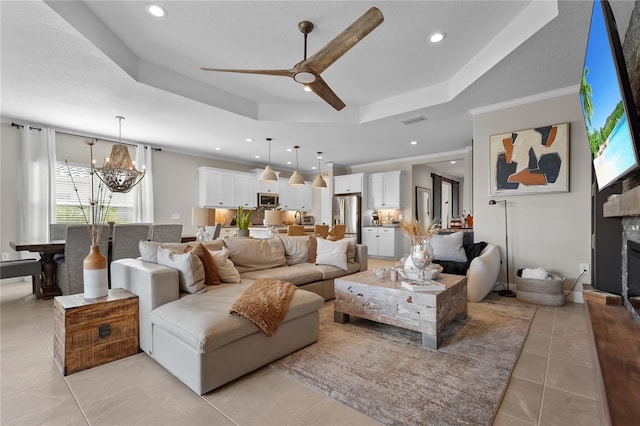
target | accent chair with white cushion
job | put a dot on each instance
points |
(480, 262)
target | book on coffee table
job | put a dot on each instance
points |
(430, 286)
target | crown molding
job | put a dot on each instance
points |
(526, 100)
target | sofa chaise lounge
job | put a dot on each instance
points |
(193, 335)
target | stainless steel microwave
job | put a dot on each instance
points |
(267, 199)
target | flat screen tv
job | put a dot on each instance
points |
(607, 102)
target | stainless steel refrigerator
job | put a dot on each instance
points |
(347, 209)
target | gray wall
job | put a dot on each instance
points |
(551, 231)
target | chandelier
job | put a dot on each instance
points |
(118, 171)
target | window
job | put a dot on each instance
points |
(120, 205)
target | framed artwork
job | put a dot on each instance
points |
(532, 161)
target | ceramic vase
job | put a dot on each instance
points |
(95, 277)
(243, 232)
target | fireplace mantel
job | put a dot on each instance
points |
(626, 204)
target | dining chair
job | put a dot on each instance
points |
(57, 231)
(337, 233)
(216, 230)
(126, 239)
(69, 277)
(166, 232)
(295, 230)
(322, 230)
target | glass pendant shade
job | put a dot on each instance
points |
(268, 174)
(118, 172)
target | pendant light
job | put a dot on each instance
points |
(268, 175)
(319, 182)
(296, 178)
(119, 172)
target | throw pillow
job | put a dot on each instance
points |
(254, 254)
(332, 253)
(149, 249)
(351, 249)
(447, 247)
(313, 249)
(190, 269)
(474, 250)
(226, 270)
(211, 276)
(296, 249)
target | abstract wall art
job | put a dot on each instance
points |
(530, 161)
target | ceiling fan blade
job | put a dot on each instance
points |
(285, 73)
(322, 89)
(337, 47)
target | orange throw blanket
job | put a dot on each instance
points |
(265, 304)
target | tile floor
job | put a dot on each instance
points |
(552, 383)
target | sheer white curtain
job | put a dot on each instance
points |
(143, 201)
(38, 182)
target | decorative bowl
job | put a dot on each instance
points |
(408, 274)
(432, 271)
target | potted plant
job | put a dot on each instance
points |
(242, 220)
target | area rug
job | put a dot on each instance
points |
(384, 372)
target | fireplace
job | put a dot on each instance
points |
(631, 265)
(633, 268)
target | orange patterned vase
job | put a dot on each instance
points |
(95, 274)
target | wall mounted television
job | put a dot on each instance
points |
(607, 103)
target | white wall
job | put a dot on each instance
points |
(9, 185)
(550, 231)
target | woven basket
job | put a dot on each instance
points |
(547, 292)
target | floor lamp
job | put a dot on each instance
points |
(506, 292)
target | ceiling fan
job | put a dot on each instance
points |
(308, 71)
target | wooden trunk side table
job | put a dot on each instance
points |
(92, 332)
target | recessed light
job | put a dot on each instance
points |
(313, 167)
(156, 10)
(436, 37)
(452, 162)
(307, 88)
(217, 148)
(248, 140)
(256, 156)
(414, 142)
(289, 149)
(288, 162)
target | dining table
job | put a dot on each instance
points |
(47, 250)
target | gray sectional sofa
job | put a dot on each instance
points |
(193, 335)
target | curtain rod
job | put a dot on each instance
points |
(19, 126)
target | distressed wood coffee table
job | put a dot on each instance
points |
(388, 302)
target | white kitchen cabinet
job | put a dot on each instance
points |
(385, 190)
(245, 191)
(303, 197)
(268, 187)
(295, 197)
(382, 241)
(348, 184)
(226, 188)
